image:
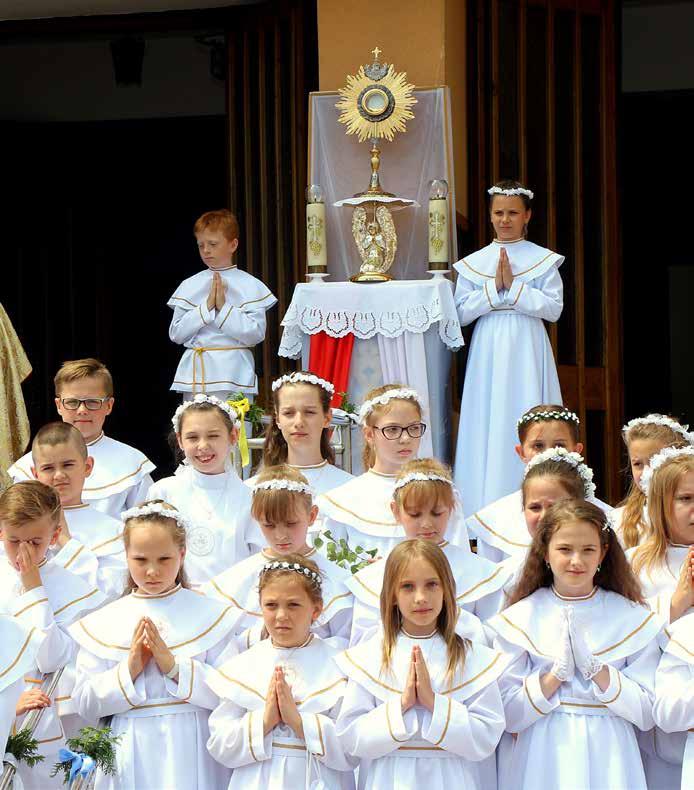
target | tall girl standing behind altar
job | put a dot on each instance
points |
(207, 490)
(144, 661)
(584, 654)
(299, 430)
(510, 286)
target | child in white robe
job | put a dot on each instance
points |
(145, 660)
(299, 430)
(19, 651)
(84, 398)
(207, 490)
(663, 565)
(584, 653)
(643, 437)
(673, 710)
(500, 527)
(276, 724)
(422, 706)
(219, 316)
(89, 543)
(283, 507)
(359, 511)
(509, 287)
(40, 594)
(423, 502)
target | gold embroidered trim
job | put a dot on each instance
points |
(122, 690)
(516, 274)
(250, 735)
(448, 721)
(676, 641)
(226, 316)
(19, 655)
(519, 293)
(520, 630)
(183, 299)
(530, 699)
(473, 679)
(420, 749)
(253, 301)
(115, 482)
(498, 535)
(320, 735)
(106, 542)
(289, 746)
(390, 727)
(628, 636)
(233, 600)
(35, 603)
(320, 691)
(486, 293)
(619, 690)
(166, 594)
(74, 557)
(479, 584)
(335, 598)
(361, 518)
(239, 683)
(582, 705)
(371, 677)
(368, 589)
(77, 600)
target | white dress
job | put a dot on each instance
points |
(510, 367)
(662, 752)
(19, 651)
(581, 738)
(120, 478)
(162, 722)
(359, 511)
(321, 477)
(219, 343)
(50, 608)
(219, 507)
(478, 590)
(444, 749)
(280, 759)
(674, 698)
(238, 585)
(501, 530)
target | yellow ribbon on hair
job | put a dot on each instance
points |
(242, 407)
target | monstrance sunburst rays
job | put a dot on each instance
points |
(374, 108)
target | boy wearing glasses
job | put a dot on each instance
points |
(84, 398)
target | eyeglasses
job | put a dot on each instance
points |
(93, 404)
(393, 432)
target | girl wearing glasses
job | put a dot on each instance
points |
(359, 511)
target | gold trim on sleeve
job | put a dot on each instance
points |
(122, 690)
(515, 301)
(19, 655)
(448, 721)
(486, 293)
(250, 735)
(530, 699)
(619, 690)
(320, 735)
(390, 727)
(226, 316)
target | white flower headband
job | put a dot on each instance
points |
(536, 416)
(200, 398)
(660, 419)
(278, 565)
(515, 191)
(381, 400)
(573, 459)
(665, 455)
(412, 477)
(159, 509)
(307, 378)
(279, 484)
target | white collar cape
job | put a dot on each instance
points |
(243, 290)
(528, 261)
(362, 664)
(101, 533)
(316, 681)
(363, 503)
(474, 577)
(18, 649)
(188, 622)
(117, 467)
(239, 586)
(615, 627)
(67, 594)
(681, 638)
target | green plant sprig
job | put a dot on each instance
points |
(99, 744)
(346, 404)
(339, 552)
(24, 748)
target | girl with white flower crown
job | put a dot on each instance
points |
(422, 704)
(509, 287)
(299, 430)
(359, 511)
(644, 437)
(275, 726)
(583, 651)
(284, 510)
(424, 500)
(207, 490)
(145, 661)
(500, 528)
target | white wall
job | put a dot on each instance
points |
(658, 54)
(75, 82)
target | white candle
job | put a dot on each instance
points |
(438, 230)
(316, 252)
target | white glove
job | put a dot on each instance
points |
(586, 663)
(563, 667)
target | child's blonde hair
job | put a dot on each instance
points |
(79, 369)
(276, 504)
(418, 494)
(29, 501)
(396, 565)
(661, 494)
(55, 433)
(635, 500)
(368, 455)
(176, 530)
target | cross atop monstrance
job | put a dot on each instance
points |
(376, 52)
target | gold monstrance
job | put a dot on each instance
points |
(375, 103)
